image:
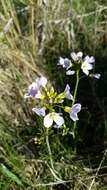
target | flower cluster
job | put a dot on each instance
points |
(78, 62)
(51, 105)
(47, 101)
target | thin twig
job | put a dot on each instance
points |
(93, 181)
(53, 183)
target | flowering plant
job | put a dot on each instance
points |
(47, 100)
(78, 63)
(51, 105)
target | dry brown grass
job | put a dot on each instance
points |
(32, 36)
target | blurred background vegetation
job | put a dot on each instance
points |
(33, 34)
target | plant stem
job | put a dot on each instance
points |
(49, 149)
(74, 98)
(76, 87)
(52, 169)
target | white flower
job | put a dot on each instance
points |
(86, 67)
(74, 111)
(53, 117)
(64, 62)
(39, 111)
(70, 72)
(67, 93)
(87, 64)
(76, 56)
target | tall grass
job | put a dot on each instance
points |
(33, 34)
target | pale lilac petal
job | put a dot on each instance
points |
(43, 81)
(74, 56)
(61, 61)
(33, 85)
(69, 72)
(65, 63)
(74, 111)
(89, 66)
(38, 95)
(56, 126)
(38, 83)
(60, 101)
(39, 111)
(67, 93)
(97, 75)
(48, 121)
(86, 67)
(74, 116)
(89, 59)
(85, 71)
(92, 59)
(76, 108)
(32, 90)
(58, 119)
(79, 54)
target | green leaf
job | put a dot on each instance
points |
(10, 175)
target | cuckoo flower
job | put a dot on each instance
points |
(34, 88)
(74, 111)
(87, 64)
(86, 67)
(41, 82)
(89, 59)
(76, 56)
(67, 93)
(64, 62)
(78, 62)
(96, 75)
(53, 117)
(39, 111)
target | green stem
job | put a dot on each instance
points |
(74, 96)
(49, 149)
(52, 169)
(76, 87)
